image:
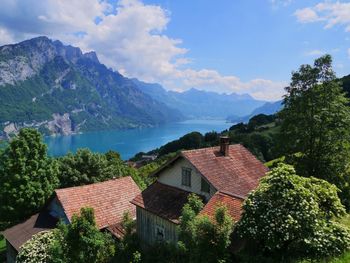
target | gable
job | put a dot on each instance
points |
(56, 210)
(172, 175)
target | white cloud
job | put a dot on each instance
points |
(5, 36)
(306, 15)
(330, 13)
(129, 37)
(349, 52)
(278, 3)
(315, 52)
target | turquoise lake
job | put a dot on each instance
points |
(130, 142)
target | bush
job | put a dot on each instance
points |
(291, 217)
(36, 249)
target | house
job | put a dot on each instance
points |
(109, 199)
(220, 175)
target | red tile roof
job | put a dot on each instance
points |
(163, 200)
(237, 174)
(233, 204)
(109, 199)
(22, 232)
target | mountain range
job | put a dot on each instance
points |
(196, 103)
(61, 90)
(268, 108)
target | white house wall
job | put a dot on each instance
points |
(172, 176)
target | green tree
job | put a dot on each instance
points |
(81, 241)
(202, 238)
(291, 217)
(37, 249)
(316, 123)
(193, 140)
(27, 176)
(86, 167)
(127, 248)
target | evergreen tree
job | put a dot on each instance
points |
(28, 176)
(315, 129)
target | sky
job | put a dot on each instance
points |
(241, 46)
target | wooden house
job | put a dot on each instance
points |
(220, 175)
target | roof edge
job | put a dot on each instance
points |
(86, 185)
(154, 174)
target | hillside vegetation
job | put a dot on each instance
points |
(58, 89)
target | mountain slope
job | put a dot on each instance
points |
(268, 108)
(58, 89)
(202, 104)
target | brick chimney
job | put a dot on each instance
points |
(225, 145)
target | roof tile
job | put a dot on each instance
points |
(22, 232)
(163, 200)
(238, 173)
(109, 199)
(233, 204)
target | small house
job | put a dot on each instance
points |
(220, 175)
(109, 199)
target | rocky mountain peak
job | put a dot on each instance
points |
(92, 56)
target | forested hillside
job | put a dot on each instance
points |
(58, 89)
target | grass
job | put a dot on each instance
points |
(345, 258)
(2, 249)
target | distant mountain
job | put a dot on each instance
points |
(268, 108)
(196, 103)
(273, 107)
(60, 90)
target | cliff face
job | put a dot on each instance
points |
(60, 90)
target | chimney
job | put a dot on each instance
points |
(224, 145)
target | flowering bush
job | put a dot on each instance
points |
(291, 216)
(36, 249)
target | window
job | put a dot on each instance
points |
(160, 233)
(186, 177)
(205, 187)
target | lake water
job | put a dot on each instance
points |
(130, 142)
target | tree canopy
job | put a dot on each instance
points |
(86, 167)
(315, 122)
(291, 217)
(27, 176)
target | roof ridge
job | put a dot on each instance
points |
(87, 185)
(207, 148)
(199, 149)
(230, 194)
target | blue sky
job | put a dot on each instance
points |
(241, 46)
(253, 38)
